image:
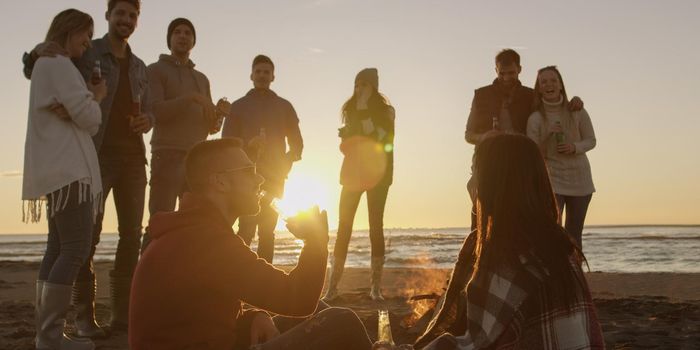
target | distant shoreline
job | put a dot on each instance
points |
(443, 228)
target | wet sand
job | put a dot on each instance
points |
(637, 311)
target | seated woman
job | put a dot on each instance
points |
(517, 283)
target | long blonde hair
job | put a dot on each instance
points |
(67, 23)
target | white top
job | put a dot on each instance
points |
(570, 174)
(58, 152)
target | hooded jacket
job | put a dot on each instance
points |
(189, 283)
(180, 122)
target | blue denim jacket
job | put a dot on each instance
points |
(101, 50)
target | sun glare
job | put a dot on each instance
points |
(301, 192)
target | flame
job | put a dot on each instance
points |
(421, 289)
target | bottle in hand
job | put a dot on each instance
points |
(96, 76)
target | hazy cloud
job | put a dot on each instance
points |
(316, 50)
(11, 173)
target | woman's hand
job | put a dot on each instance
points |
(363, 97)
(555, 128)
(566, 148)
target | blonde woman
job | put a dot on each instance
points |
(564, 137)
(60, 166)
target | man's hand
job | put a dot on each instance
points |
(99, 91)
(310, 226)
(140, 124)
(199, 99)
(48, 49)
(209, 112)
(566, 148)
(262, 329)
(223, 107)
(576, 104)
(60, 111)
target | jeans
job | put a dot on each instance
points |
(265, 222)
(126, 175)
(168, 183)
(68, 243)
(331, 328)
(576, 208)
(349, 200)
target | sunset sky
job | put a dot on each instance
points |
(634, 64)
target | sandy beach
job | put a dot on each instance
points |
(637, 311)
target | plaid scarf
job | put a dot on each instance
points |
(510, 309)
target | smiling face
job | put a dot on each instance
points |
(122, 20)
(78, 42)
(181, 40)
(549, 85)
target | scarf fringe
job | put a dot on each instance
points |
(31, 209)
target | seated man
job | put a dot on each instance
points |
(191, 280)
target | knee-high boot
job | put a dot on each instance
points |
(377, 265)
(337, 267)
(52, 307)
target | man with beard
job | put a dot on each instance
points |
(184, 113)
(502, 107)
(121, 151)
(262, 115)
(192, 278)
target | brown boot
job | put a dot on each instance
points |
(84, 302)
(120, 288)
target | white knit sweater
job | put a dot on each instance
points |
(570, 174)
(58, 152)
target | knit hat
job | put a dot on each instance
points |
(369, 76)
(176, 22)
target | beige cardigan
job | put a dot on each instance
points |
(58, 152)
(570, 174)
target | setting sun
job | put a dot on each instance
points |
(302, 191)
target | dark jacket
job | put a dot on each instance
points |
(369, 153)
(263, 109)
(487, 104)
(189, 283)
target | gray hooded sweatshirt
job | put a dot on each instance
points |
(179, 122)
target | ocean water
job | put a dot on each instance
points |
(608, 248)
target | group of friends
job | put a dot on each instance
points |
(517, 282)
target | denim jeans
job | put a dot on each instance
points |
(126, 175)
(331, 328)
(265, 223)
(168, 183)
(349, 200)
(70, 235)
(576, 209)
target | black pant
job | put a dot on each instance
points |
(331, 328)
(168, 183)
(349, 200)
(126, 175)
(265, 223)
(576, 209)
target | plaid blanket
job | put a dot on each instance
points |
(510, 309)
